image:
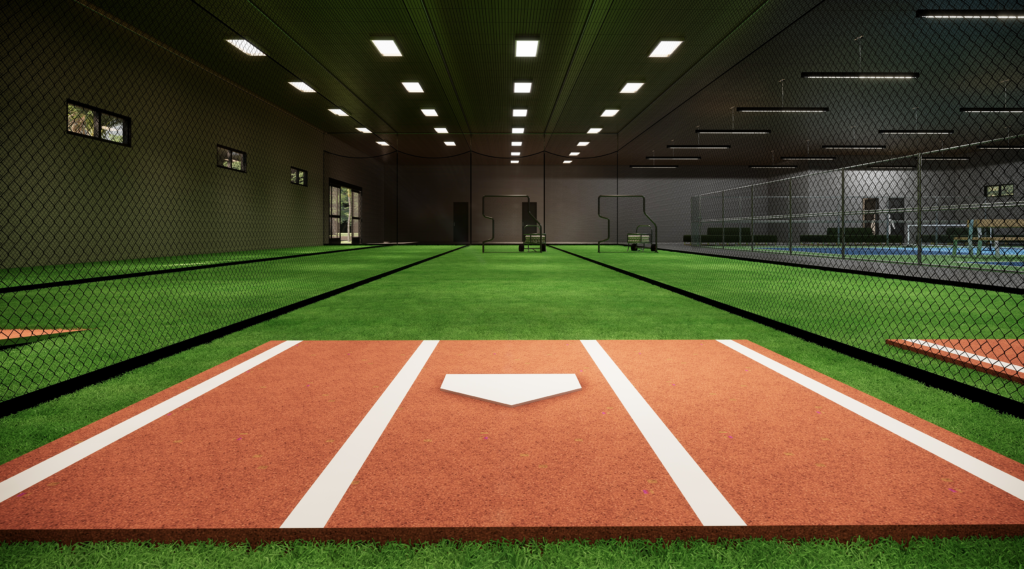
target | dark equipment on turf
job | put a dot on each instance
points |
(531, 241)
(636, 239)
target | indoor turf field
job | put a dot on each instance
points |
(442, 299)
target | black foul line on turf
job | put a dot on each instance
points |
(34, 398)
(179, 270)
(997, 402)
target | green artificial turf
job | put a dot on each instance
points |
(552, 295)
(858, 310)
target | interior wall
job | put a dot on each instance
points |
(73, 199)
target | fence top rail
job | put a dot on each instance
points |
(862, 165)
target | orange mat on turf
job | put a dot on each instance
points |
(1003, 358)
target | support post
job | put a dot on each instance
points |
(841, 233)
(970, 238)
(751, 218)
(919, 209)
(791, 217)
(723, 219)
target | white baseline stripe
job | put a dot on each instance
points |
(315, 508)
(1005, 482)
(983, 359)
(707, 502)
(27, 478)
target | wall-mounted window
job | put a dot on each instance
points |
(999, 191)
(91, 122)
(299, 176)
(230, 158)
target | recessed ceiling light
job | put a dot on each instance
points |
(301, 86)
(566, 161)
(449, 143)
(782, 109)
(515, 154)
(514, 161)
(363, 130)
(582, 143)
(429, 112)
(441, 130)
(609, 112)
(246, 47)
(338, 112)
(518, 130)
(665, 48)
(382, 143)
(594, 131)
(858, 75)
(519, 112)
(413, 87)
(517, 143)
(972, 14)
(631, 87)
(574, 154)
(387, 48)
(527, 47)
(521, 87)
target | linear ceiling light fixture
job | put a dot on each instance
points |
(808, 158)
(609, 112)
(698, 147)
(972, 14)
(915, 132)
(412, 87)
(441, 130)
(582, 143)
(301, 86)
(631, 87)
(782, 109)
(518, 130)
(773, 167)
(665, 48)
(449, 143)
(246, 48)
(527, 46)
(673, 157)
(574, 154)
(515, 154)
(514, 161)
(382, 143)
(992, 109)
(363, 130)
(858, 75)
(519, 112)
(429, 112)
(387, 47)
(523, 87)
(733, 132)
(338, 112)
(594, 131)
(517, 143)
(854, 147)
(566, 161)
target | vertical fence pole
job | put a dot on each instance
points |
(751, 218)
(970, 238)
(791, 217)
(918, 209)
(723, 219)
(841, 233)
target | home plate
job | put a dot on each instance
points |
(510, 389)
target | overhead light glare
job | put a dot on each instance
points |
(782, 109)
(631, 87)
(514, 161)
(449, 143)
(429, 112)
(609, 112)
(515, 154)
(808, 158)
(441, 130)
(853, 147)
(518, 130)
(654, 167)
(673, 157)
(915, 132)
(698, 147)
(733, 132)
(582, 143)
(387, 48)
(338, 112)
(566, 161)
(413, 87)
(594, 131)
(574, 154)
(246, 48)
(773, 167)
(382, 143)
(517, 143)
(527, 47)
(972, 14)
(301, 86)
(363, 130)
(859, 75)
(1014, 110)
(665, 48)
(522, 87)
(519, 112)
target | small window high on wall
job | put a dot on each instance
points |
(88, 121)
(230, 158)
(298, 176)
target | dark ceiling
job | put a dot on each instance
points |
(734, 54)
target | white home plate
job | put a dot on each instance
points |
(510, 388)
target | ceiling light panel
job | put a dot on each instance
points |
(382, 143)
(516, 153)
(387, 48)
(523, 87)
(665, 48)
(566, 161)
(518, 130)
(514, 161)
(246, 48)
(441, 130)
(301, 86)
(582, 143)
(631, 87)
(609, 112)
(338, 112)
(413, 87)
(429, 112)
(574, 154)
(517, 143)
(519, 112)
(527, 47)
(363, 130)
(594, 131)
(449, 143)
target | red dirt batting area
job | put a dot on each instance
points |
(356, 440)
(15, 336)
(1002, 358)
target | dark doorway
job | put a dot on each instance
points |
(460, 222)
(343, 219)
(530, 217)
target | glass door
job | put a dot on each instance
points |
(343, 214)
